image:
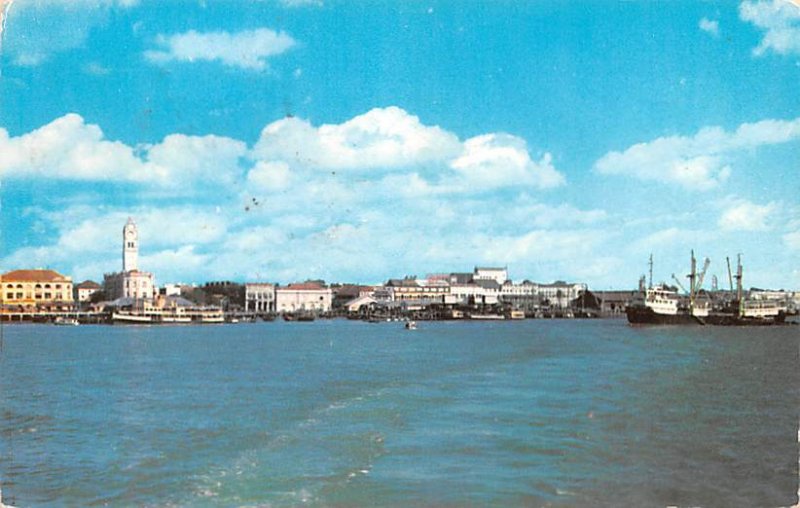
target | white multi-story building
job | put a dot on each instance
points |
(85, 290)
(259, 297)
(416, 290)
(480, 292)
(499, 275)
(307, 296)
(130, 282)
(560, 294)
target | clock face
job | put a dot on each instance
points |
(129, 233)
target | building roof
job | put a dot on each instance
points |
(488, 284)
(398, 283)
(354, 290)
(492, 268)
(461, 278)
(88, 284)
(34, 276)
(304, 286)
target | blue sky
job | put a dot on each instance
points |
(357, 141)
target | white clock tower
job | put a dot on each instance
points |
(130, 247)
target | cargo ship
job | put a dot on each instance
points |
(662, 304)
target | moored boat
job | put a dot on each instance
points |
(66, 321)
(487, 317)
(663, 305)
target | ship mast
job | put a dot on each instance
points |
(730, 277)
(692, 276)
(739, 283)
(651, 270)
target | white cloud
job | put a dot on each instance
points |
(423, 160)
(96, 69)
(383, 138)
(658, 239)
(377, 195)
(743, 215)
(205, 160)
(499, 160)
(70, 149)
(710, 26)
(32, 30)
(780, 21)
(248, 49)
(269, 175)
(700, 162)
(792, 241)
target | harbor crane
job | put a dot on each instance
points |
(678, 282)
(702, 275)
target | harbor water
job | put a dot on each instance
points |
(343, 413)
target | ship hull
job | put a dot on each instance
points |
(647, 316)
(726, 319)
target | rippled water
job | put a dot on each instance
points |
(338, 413)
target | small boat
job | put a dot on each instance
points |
(411, 325)
(487, 317)
(66, 321)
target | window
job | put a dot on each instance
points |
(9, 296)
(48, 296)
(19, 296)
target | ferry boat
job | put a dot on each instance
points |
(144, 312)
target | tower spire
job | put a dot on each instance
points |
(130, 246)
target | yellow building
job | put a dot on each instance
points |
(41, 289)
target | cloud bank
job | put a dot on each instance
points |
(698, 162)
(248, 49)
(780, 22)
(376, 193)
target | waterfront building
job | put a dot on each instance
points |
(560, 294)
(33, 290)
(522, 296)
(171, 290)
(227, 294)
(461, 278)
(306, 296)
(83, 292)
(359, 303)
(130, 282)
(613, 303)
(499, 275)
(418, 291)
(478, 292)
(259, 297)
